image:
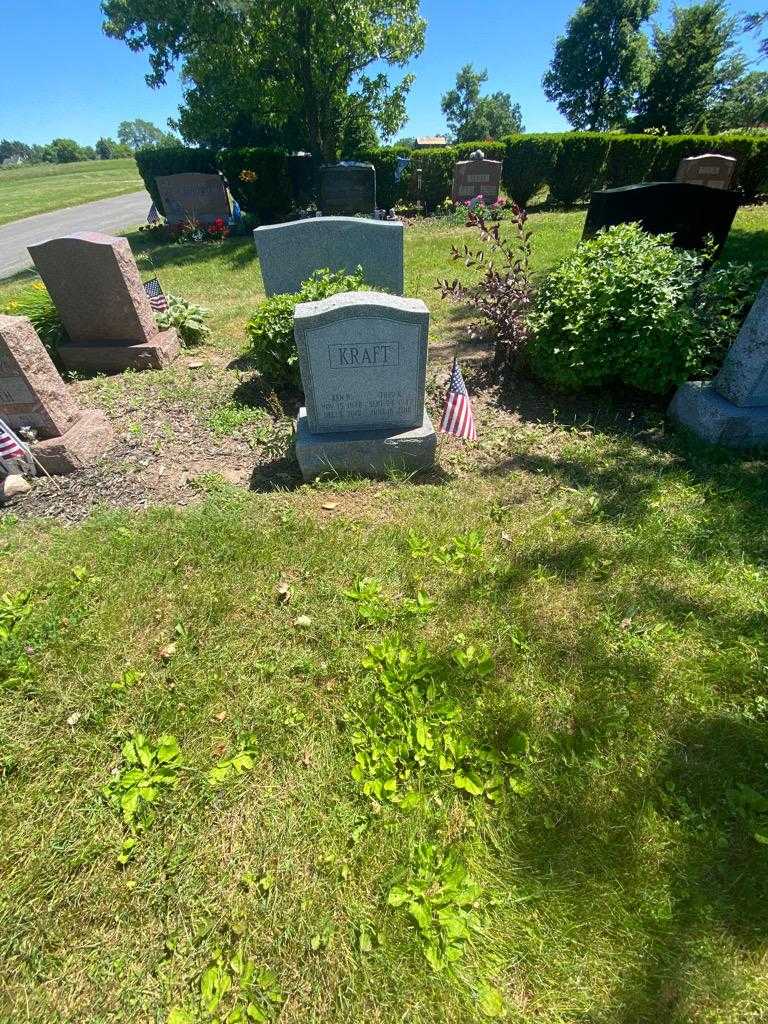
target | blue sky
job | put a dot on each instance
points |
(62, 77)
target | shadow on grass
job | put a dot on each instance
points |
(234, 253)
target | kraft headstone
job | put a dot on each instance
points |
(192, 196)
(473, 178)
(732, 410)
(347, 189)
(290, 253)
(33, 395)
(710, 169)
(363, 359)
(689, 212)
(97, 290)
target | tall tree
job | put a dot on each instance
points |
(294, 61)
(693, 62)
(601, 63)
(471, 116)
(140, 133)
(743, 105)
(758, 23)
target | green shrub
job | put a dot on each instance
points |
(188, 319)
(270, 329)
(528, 165)
(384, 159)
(158, 161)
(626, 306)
(492, 150)
(631, 160)
(258, 180)
(434, 167)
(580, 166)
(36, 304)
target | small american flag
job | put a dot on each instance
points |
(458, 418)
(153, 216)
(156, 295)
(9, 446)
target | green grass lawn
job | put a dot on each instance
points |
(25, 191)
(569, 629)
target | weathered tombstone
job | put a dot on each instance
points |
(347, 188)
(732, 410)
(290, 253)
(363, 360)
(95, 285)
(689, 212)
(710, 169)
(476, 177)
(32, 394)
(192, 196)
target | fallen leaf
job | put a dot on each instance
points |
(220, 716)
(74, 718)
(626, 623)
(506, 537)
(302, 622)
(330, 506)
(283, 592)
(167, 652)
(194, 364)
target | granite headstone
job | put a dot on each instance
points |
(733, 409)
(689, 212)
(192, 196)
(33, 396)
(710, 169)
(363, 359)
(290, 253)
(347, 189)
(96, 287)
(479, 177)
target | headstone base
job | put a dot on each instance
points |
(114, 357)
(79, 447)
(364, 452)
(715, 420)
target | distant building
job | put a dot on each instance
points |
(428, 141)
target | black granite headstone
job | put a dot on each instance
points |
(689, 212)
(301, 173)
(347, 189)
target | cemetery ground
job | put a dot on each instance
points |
(593, 604)
(25, 191)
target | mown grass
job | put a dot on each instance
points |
(620, 588)
(25, 191)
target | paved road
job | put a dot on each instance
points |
(103, 215)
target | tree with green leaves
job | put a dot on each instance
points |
(743, 105)
(284, 63)
(471, 116)
(601, 63)
(757, 23)
(140, 133)
(693, 63)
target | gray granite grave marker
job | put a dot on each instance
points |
(733, 409)
(96, 287)
(363, 358)
(710, 169)
(290, 253)
(192, 196)
(477, 177)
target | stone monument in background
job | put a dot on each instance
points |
(34, 397)
(476, 177)
(732, 409)
(348, 188)
(710, 169)
(363, 360)
(290, 253)
(192, 196)
(96, 287)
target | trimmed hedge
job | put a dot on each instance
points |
(571, 164)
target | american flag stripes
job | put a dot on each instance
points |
(458, 418)
(9, 446)
(153, 216)
(156, 296)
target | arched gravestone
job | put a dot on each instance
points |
(96, 287)
(689, 212)
(710, 169)
(733, 409)
(290, 253)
